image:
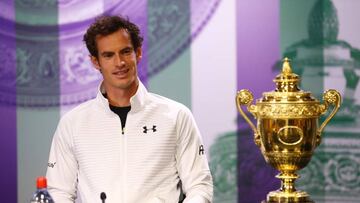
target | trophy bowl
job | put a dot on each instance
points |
(287, 129)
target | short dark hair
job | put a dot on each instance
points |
(105, 25)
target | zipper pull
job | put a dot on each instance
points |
(122, 130)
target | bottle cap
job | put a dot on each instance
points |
(41, 182)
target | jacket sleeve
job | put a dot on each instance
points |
(196, 199)
(62, 166)
(191, 160)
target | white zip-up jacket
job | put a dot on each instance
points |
(160, 146)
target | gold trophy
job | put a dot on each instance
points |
(287, 129)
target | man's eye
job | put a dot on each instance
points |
(126, 51)
(108, 55)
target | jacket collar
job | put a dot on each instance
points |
(137, 101)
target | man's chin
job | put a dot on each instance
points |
(126, 85)
(123, 86)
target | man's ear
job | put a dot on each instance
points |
(95, 62)
(138, 54)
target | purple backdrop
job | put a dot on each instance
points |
(8, 175)
(258, 48)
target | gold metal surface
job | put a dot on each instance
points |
(287, 129)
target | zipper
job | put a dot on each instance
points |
(124, 158)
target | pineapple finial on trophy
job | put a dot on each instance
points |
(286, 69)
(287, 81)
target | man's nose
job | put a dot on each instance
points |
(119, 60)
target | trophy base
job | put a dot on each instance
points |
(264, 201)
(286, 197)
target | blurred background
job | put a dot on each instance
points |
(198, 52)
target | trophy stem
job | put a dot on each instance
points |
(288, 181)
(287, 192)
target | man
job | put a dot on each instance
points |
(141, 157)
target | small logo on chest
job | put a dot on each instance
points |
(201, 150)
(146, 129)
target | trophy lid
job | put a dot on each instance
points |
(287, 81)
(287, 89)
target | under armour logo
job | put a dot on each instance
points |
(51, 165)
(147, 129)
(201, 150)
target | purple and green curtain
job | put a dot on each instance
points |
(198, 52)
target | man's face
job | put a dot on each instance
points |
(117, 60)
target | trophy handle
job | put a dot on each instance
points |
(332, 97)
(245, 97)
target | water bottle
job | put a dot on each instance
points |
(41, 195)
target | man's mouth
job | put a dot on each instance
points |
(121, 72)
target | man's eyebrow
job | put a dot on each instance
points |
(106, 53)
(127, 48)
